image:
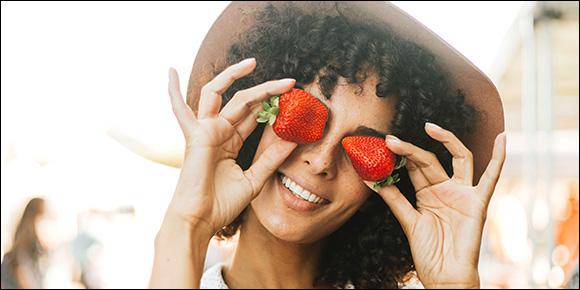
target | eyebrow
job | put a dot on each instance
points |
(364, 130)
(360, 130)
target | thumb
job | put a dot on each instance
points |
(405, 213)
(268, 162)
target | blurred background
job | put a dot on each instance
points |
(84, 88)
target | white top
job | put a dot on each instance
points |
(212, 278)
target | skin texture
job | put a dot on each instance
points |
(279, 247)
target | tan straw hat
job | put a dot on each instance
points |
(479, 90)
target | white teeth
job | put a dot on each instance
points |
(298, 189)
(300, 192)
(305, 194)
(311, 198)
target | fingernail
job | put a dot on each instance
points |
(431, 125)
(247, 61)
(393, 140)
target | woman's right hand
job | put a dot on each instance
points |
(212, 189)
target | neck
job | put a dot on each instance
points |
(263, 261)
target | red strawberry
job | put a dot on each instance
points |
(372, 160)
(296, 116)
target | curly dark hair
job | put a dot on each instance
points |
(370, 250)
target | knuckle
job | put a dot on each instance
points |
(243, 97)
(238, 95)
(468, 154)
(431, 157)
(248, 103)
(231, 77)
(411, 166)
(206, 89)
(268, 161)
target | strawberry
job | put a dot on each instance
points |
(372, 160)
(296, 116)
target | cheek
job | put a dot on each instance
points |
(351, 193)
(357, 193)
(351, 190)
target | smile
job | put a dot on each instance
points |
(300, 192)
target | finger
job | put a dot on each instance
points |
(417, 177)
(268, 162)
(405, 213)
(246, 126)
(211, 99)
(425, 160)
(491, 174)
(462, 157)
(181, 110)
(245, 101)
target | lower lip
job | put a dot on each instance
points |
(293, 201)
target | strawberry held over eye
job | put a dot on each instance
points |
(372, 159)
(296, 116)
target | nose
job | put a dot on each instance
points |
(321, 158)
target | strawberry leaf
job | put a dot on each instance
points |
(262, 119)
(272, 119)
(402, 162)
(274, 101)
(274, 111)
(390, 180)
(265, 106)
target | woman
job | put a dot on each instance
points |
(22, 266)
(352, 57)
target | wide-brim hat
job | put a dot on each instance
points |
(480, 92)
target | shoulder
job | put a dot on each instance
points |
(212, 278)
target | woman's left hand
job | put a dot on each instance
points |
(445, 230)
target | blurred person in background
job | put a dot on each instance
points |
(86, 249)
(25, 264)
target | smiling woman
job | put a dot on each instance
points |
(305, 217)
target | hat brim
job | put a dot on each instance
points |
(480, 92)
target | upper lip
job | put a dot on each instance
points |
(306, 185)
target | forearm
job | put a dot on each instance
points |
(180, 251)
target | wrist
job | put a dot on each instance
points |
(180, 250)
(175, 228)
(471, 281)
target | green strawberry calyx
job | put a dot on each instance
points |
(269, 111)
(393, 178)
